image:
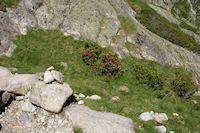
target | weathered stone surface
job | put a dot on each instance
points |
(98, 122)
(93, 97)
(18, 83)
(48, 77)
(4, 73)
(15, 120)
(160, 117)
(161, 129)
(146, 116)
(50, 96)
(124, 88)
(4, 98)
(115, 99)
(27, 106)
(57, 76)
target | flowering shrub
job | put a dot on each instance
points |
(102, 62)
(183, 85)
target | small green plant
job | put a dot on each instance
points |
(8, 3)
(102, 62)
(148, 76)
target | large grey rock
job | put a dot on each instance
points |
(98, 122)
(50, 96)
(20, 83)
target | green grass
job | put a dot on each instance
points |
(41, 49)
(77, 130)
(8, 3)
(182, 8)
(162, 27)
(188, 27)
(127, 25)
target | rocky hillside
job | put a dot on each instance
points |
(106, 22)
(158, 45)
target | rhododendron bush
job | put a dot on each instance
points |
(102, 62)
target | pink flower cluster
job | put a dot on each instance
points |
(102, 62)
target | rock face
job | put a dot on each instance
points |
(97, 21)
(50, 96)
(98, 122)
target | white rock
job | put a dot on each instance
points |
(93, 97)
(115, 99)
(81, 95)
(57, 76)
(76, 96)
(51, 97)
(27, 106)
(175, 114)
(124, 88)
(146, 116)
(64, 65)
(81, 102)
(160, 117)
(48, 77)
(50, 68)
(161, 129)
(194, 101)
(19, 98)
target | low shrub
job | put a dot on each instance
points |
(148, 76)
(183, 85)
(102, 62)
(175, 81)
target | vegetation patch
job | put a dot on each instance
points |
(8, 4)
(162, 27)
(130, 46)
(41, 49)
(127, 25)
(177, 81)
(101, 61)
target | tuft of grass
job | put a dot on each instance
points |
(8, 3)
(130, 46)
(162, 27)
(127, 25)
(77, 130)
(40, 49)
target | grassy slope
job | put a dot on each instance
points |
(40, 49)
(162, 27)
(8, 3)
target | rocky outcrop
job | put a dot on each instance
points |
(50, 96)
(23, 116)
(98, 122)
(97, 21)
(18, 83)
